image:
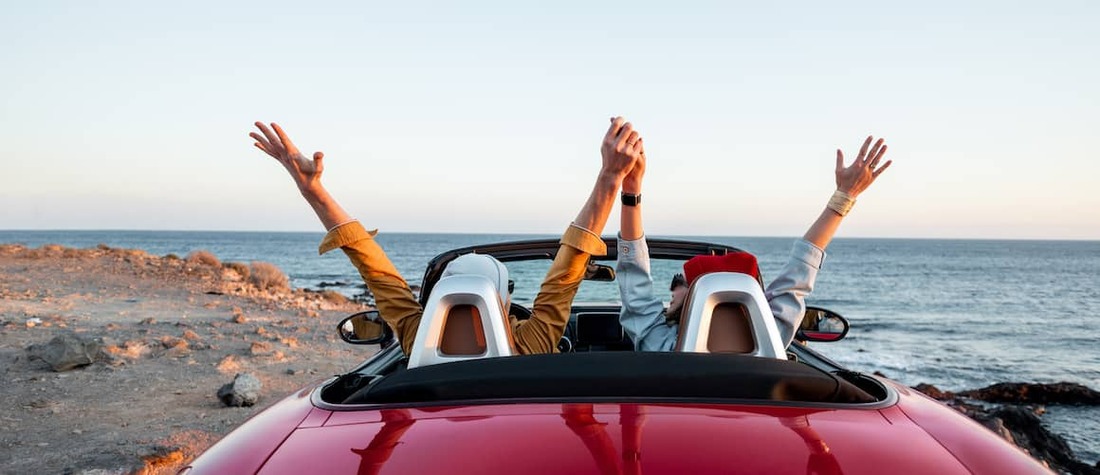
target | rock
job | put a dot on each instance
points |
(66, 351)
(178, 350)
(1031, 436)
(191, 336)
(934, 392)
(1026, 393)
(260, 348)
(171, 341)
(229, 364)
(244, 391)
(239, 318)
(1020, 424)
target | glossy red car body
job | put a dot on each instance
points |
(902, 432)
(914, 435)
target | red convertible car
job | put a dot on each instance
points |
(463, 402)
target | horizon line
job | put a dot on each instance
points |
(1052, 239)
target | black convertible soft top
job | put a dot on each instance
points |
(616, 375)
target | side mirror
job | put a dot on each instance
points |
(822, 325)
(599, 273)
(365, 328)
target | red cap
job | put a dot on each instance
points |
(740, 262)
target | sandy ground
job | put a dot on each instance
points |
(173, 332)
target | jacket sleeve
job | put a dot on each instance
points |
(787, 293)
(642, 312)
(550, 313)
(395, 301)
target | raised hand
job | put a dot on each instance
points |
(621, 148)
(305, 172)
(633, 181)
(863, 171)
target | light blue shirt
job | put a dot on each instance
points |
(642, 315)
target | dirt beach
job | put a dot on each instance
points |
(170, 332)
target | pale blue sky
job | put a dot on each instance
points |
(487, 117)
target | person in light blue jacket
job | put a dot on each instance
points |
(653, 328)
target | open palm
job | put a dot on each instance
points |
(278, 145)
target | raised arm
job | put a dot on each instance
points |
(787, 293)
(306, 173)
(850, 182)
(630, 217)
(392, 296)
(641, 315)
(620, 149)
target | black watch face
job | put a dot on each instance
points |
(631, 200)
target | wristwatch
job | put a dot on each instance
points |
(631, 199)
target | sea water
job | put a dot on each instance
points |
(959, 314)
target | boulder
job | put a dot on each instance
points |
(66, 351)
(1020, 424)
(244, 391)
(1031, 436)
(934, 392)
(1028, 393)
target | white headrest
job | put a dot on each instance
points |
(714, 289)
(483, 265)
(460, 290)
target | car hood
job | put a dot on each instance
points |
(612, 438)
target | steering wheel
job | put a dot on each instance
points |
(524, 313)
(519, 311)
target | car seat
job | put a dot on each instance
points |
(726, 312)
(462, 320)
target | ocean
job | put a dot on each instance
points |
(958, 314)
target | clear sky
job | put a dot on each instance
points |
(487, 117)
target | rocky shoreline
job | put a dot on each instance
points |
(1013, 410)
(118, 361)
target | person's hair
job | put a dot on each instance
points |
(677, 280)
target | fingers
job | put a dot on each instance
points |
(860, 159)
(637, 150)
(624, 135)
(318, 156)
(632, 139)
(286, 140)
(260, 140)
(877, 156)
(261, 147)
(873, 153)
(271, 137)
(839, 160)
(882, 168)
(613, 130)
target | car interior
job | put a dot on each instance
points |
(729, 351)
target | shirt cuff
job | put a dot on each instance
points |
(344, 234)
(628, 248)
(584, 240)
(806, 252)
